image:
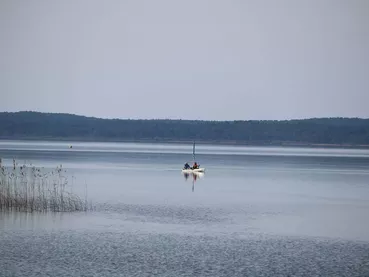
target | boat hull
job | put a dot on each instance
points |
(193, 170)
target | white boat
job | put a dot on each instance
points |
(193, 170)
(196, 170)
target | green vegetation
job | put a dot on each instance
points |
(29, 189)
(34, 125)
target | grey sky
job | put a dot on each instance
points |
(191, 59)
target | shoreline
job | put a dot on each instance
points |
(203, 142)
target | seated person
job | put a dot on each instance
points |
(186, 166)
(195, 166)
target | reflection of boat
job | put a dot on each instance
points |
(195, 175)
(189, 169)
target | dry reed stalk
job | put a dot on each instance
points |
(27, 188)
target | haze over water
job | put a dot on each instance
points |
(257, 211)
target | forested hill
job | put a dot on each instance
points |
(34, 125)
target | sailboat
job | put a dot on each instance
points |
(193, 170)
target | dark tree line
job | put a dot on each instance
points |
(34, 125)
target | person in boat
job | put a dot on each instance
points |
(186, 166)
(195, 166)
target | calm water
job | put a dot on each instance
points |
(257, 211)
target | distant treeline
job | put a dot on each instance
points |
(35, 125)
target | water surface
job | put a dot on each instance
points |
(257, 211)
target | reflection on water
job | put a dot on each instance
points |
(195, 176)
(30, 221)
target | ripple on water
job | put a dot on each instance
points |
(91, 253)
(165, 214)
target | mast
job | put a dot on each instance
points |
(193, 152)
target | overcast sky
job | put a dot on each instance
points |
(192, 59)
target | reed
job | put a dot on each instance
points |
(27, 188)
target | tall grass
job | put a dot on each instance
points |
(27, 188)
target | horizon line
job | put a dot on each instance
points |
(180, 119)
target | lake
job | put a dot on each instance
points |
(257, 211)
